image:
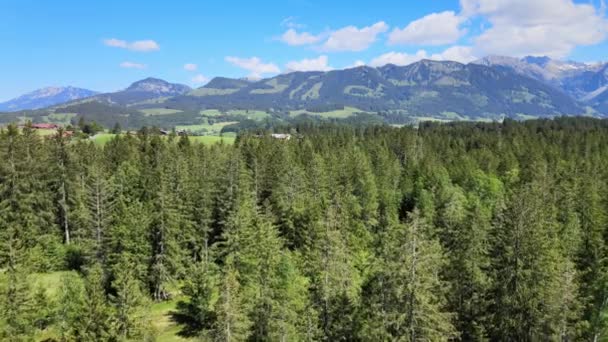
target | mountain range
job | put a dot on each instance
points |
(45, 97)
(425, 88)
(585, 82)
(149, 89)
(488, 89)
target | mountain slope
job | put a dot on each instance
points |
(584, 82)
(420, 89)
(146, 90)
(541, 68)
(45, 97)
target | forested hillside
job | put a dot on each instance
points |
(464, 231)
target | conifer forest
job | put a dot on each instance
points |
(445, 232)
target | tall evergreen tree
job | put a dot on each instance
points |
(70, 305)
(130, 304)
(95, 319)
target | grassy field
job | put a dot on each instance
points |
(206, 129)
(103, 138)
(212, 92)
(211, 112)
(167, 330)
(335, 114)
(250, 114)
(46, 132)
(159, 111)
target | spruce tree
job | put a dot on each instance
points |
(70, 306)
(130, 304)
(95, 319)
(233, 323)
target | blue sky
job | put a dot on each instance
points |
(106, 45)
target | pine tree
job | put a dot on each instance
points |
(25, 201)
(130, 304)
(100, 205)
(200, 288)
(62, 160)
(592, 259)
(419, 308)
(532, 291)
(166, 261)
(468, 271)
(232, 323)
(70, 306)
(335, 278)
(43, 309)
(95, 319)
(16, 306)
(292, 317)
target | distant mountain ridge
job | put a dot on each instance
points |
(45, 97)
(587, 83)
(142, 91)
(421, 89)
(489, 89)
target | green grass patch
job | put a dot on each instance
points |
(211, 112)
(335, 114)
(102, 138)
(276, 87)
(247, 113)
(362, 91)
(250, 114)
(159, 111)
(313, 92)
(212, 91)
(155, 100)
(48, 281)
(205, 129)
(45, 132)
(166, 328)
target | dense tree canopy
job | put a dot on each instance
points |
(464, 231)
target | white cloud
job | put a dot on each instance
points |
(536, 27)
(139, 45)
(462, 54)
(290, 22)
(356, 64)
(199, 79)
(398, 58)
(351, 38)
(293, 38)
(132, 65)
(433, 29)
(315, 64)
(190, 67)
(254, 65)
